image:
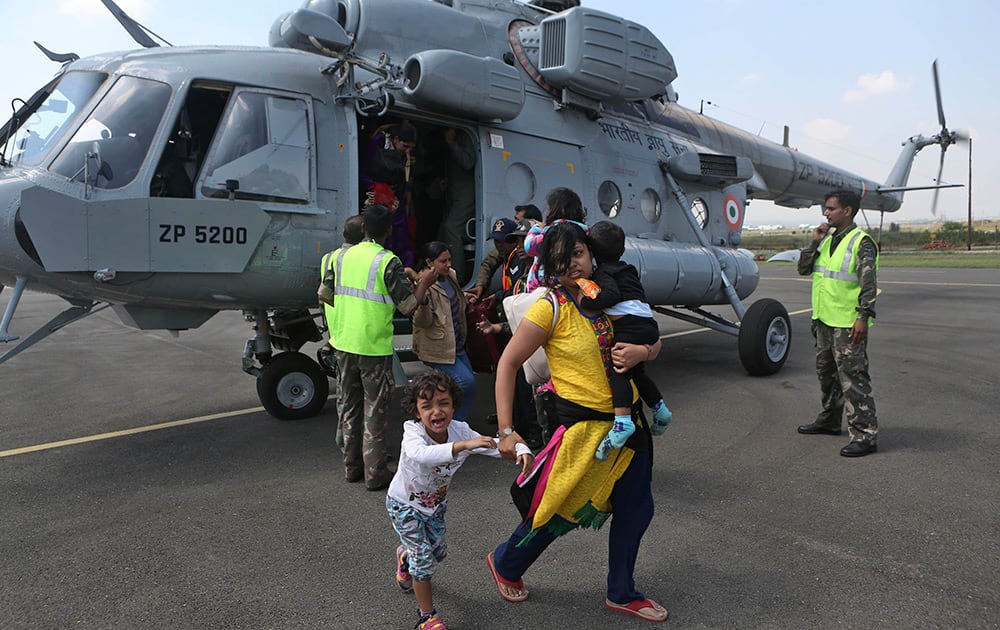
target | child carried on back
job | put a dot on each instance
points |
(623, 299)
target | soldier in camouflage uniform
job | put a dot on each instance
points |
(843, 260)
(366, 284)
(354, 231)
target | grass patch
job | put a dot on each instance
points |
(949, 259)
(945, 259)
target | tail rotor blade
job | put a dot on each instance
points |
(937, 191)
(937, 95)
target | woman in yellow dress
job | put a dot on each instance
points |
(569, 487)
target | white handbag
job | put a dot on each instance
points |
(536, 368)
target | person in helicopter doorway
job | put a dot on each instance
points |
(460, 198)
(389, 160)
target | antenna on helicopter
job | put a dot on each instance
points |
(945, 138)
(139, 33)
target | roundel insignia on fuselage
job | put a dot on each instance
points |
(733, 212)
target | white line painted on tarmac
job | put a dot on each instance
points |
(124, 432)
(911, 282)
(941, 284)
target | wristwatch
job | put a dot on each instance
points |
(506, 432)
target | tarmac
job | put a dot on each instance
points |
(142, 486)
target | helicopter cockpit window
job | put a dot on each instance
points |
(262, 149)
(111, 145)
(609, 198)
(649, 202)
(46, 124)
(700, 210)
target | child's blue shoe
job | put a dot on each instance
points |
(620, 431)
(661, 418)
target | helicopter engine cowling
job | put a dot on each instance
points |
(274, 38)
(459, 84)
(602, 56)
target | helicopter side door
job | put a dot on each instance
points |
(520, 168)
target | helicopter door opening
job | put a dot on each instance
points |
(184, 153)
(437, 188)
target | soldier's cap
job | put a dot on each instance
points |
(523, 226)
(503, 227)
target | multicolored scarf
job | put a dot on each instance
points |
(572, 488)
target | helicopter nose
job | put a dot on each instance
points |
(14, 259)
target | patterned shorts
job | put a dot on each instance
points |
(422, 534)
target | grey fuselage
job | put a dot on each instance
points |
(172, 261)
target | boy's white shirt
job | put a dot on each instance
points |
(426, 467)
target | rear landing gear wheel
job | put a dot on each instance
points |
(765, 337)
(291, 386)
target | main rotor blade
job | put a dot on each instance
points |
(937, 191)
(937, 95)
(138, 32)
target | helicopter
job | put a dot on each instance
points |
(171, 183)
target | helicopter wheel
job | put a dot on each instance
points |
(291, 386)
(765, 337)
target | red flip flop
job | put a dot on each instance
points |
(642, 608)
(504, 586)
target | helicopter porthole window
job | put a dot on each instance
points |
(519, 183)
(649, 202)
(609, 198)
(700, 210)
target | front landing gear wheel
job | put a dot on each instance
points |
(765, 337)
(291, 386)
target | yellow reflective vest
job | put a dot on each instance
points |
(835, 288)
(325, 265)
(362, 318)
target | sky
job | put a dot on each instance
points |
(852, 79)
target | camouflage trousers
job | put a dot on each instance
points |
(327, 358)
(842, 368)
(366, 387)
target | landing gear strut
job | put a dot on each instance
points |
(764, 336)
(290, 385)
